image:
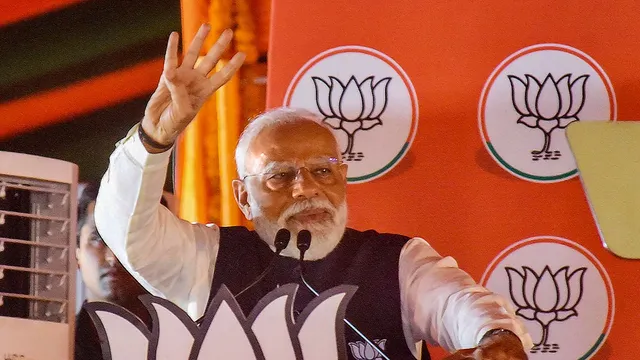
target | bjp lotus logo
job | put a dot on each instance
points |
(365, 351)
(351, 107)
(367, 100)
(529, 101)
(546, 298)
(268, 333)
(547, 106)
(561, 292)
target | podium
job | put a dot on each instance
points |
(269, 332)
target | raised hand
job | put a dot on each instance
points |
(183, 88)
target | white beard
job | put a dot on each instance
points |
(325, 236)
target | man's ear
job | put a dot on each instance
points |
(343, 170)
(242, 197)
(78, 256)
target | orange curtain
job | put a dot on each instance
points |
(205, 163)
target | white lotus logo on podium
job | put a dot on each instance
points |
(361, 350)
(268, 333)
(352, 107)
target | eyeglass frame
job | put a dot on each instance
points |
(332, 160)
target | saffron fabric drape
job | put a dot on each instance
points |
(205, 163)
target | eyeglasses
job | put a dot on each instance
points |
(278, 176)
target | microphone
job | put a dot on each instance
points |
(280, 242)
(303, 242)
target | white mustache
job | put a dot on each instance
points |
(310, 204)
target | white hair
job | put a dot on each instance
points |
(276, 116)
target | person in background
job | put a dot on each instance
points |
(104, 277)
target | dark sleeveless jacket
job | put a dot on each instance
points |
(368, 260)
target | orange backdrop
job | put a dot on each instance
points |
(448, 189)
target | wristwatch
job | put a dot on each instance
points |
(499, 331)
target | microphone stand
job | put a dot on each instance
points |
(303, 242)
(281, 241)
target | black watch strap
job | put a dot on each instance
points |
(149, 141)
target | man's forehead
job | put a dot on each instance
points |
(285, 132)
(265, 162)
(292, 143)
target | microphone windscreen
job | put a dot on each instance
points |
(304, 240)
(282, 239)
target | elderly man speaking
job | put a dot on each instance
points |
(291, 177)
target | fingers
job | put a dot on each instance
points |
(180, 101)
(227, 72)
(465, 354)
(194, 48)
(158, 101)
(216, 51)
(171, 55)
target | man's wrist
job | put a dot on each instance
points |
(150, 144)
(498, 333)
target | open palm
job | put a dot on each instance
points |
(183, 88)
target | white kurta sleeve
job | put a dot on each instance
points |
(170, 257)
(443, 305)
